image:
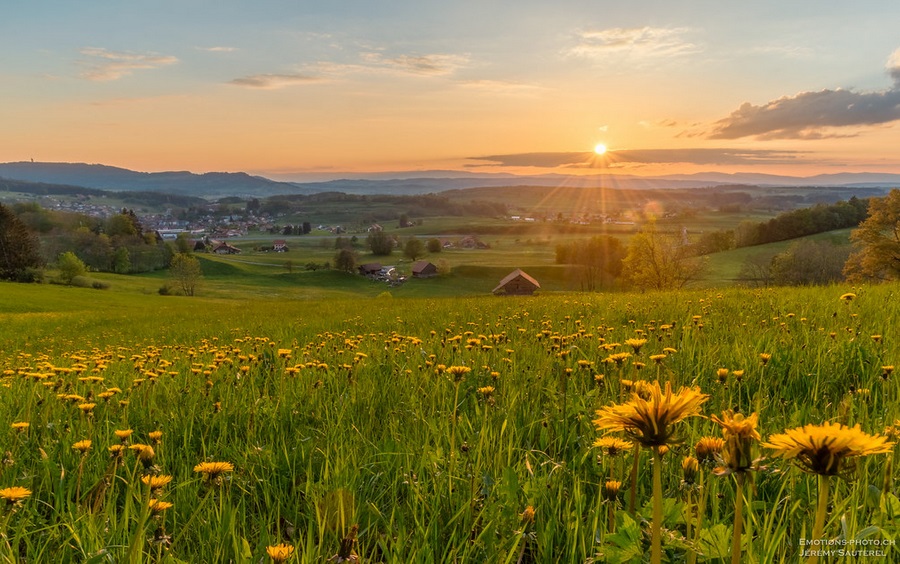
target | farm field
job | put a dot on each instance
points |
(426, 429)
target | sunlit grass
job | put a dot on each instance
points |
(320, 415)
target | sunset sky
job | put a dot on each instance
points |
(290, 88)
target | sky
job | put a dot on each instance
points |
(299, 89)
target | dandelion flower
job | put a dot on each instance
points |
(689, 468)
(611, 490)
(764, 358)
(612, 446)
(21, 426)
(722, 375)
(707, 448)
(486, 391)
(87, 408)
(82, 446)
(157, 506)
(14, 495)
(740, 435)
(824, 449)
(528, 515)
(212, 470)
(848, 297)
(123, 434)
(280, 552)
(651, 421)
(155, 436)
(157, 482)
(458, 372)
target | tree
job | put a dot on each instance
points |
(122, 261)
(345, 260)
(878, 240)
(434, 246)
(183, 244)
(808, 262)
(185, 271)
(70, 266)
(600, 259)
(19, 252)
(380, 243)
(414, 249)
(658, 261)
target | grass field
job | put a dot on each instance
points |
(448, 429)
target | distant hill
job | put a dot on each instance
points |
(208, 185)
(218, 184)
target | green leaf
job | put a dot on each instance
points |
(625, 545)
(245, 549)
(673, 512)
(890, 505)
(715, 542)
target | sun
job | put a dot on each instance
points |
(599, 148)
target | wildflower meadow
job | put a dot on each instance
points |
(697, 426)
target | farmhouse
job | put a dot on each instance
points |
(517, 283)
(279, 246)
(226, 249)
(370, 269)
(423, 269)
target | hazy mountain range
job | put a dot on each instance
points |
(219, 184)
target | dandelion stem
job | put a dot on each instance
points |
(656, 529)
(452, 453)
(692, 556)
(738, 520)
(821, 510)
(632, 493)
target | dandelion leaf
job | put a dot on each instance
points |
(890, 506)
(623, 547)
(715, 542)
(673, 512)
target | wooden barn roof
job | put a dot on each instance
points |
(515, 274)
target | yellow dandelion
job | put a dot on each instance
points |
(14, 495)
(764, 358)
(157, 482)
(824, 449)
(145, 453)
(280, 552)
(611, 490)
(707, 448)
(740, 436)
(123, 434)
(20, 426)
(722, 375)
(212, 470)
(651, 421)
(612, 446)
(155, 436)
(458, 372)
(82, 446)
(87, 408)
(658, 358)
(486, 391)
(689, 468)
(158, 506)
(636, 344)
(848, 297)
(528, 515)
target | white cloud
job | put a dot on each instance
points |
(893, 66)
(275, 81)
(103, 65)
(425, 65)
(636, 42)
(218, 49)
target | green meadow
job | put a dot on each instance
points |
(417, 426)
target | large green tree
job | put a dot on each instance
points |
(19, 251)
(878, 242)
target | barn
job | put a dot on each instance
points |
(517, 283)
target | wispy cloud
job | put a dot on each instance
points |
(218, 49)
(275, 81)
(103, 64)
(437, 64)
(634, 43)
(613, 159)
(813, 115)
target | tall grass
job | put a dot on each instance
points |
(342, 412)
